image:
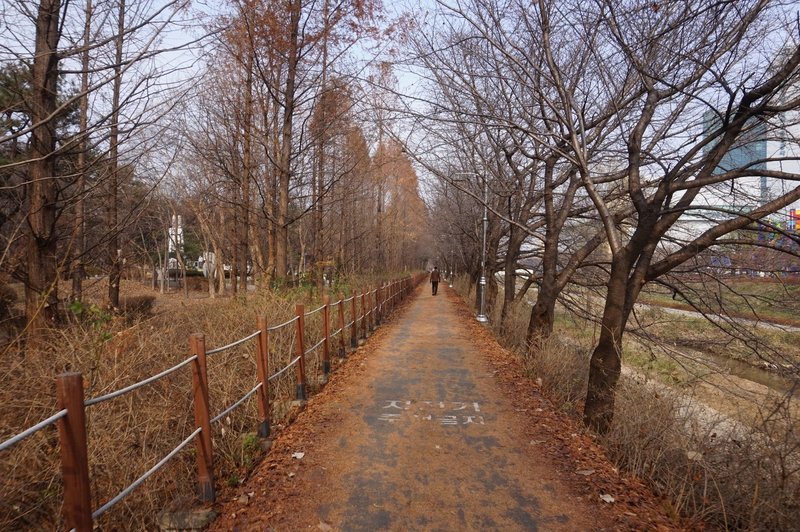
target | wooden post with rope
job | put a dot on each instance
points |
(300, 350)
(74, 456)
(202, 419)
(262, 369)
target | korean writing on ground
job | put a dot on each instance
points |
(445, 413)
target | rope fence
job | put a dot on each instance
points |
(366, 310)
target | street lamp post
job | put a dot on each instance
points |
(481, 317)
(452, 266)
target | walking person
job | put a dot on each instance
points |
(435, 280)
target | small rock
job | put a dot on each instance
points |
(605, 497)
(298, 455)
(324, 526)
(291, 475)
(586, 472)
(694, 456)
(243, 499)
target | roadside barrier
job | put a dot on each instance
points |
(70, 417)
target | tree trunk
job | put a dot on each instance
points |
(220, 274)
(244, 218)
(79, 245)
(271, 238)
(182, 264)
(113, 179)
(41, 289)
(164, 264)
(259, 262)
(515, 239)
(317, 236)
(282, 247)
(540, 325)
(606, 361)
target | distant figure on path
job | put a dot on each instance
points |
(435, 280)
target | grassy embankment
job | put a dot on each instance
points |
(721, 449)
(129, 435)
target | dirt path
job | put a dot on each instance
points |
(419, 430)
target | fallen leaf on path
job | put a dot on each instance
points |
(298, 455)
(324, 526)
(585, 472)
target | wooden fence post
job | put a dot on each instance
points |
(370, 313)
(326, 330)
(374, 303)
(363, 316)
(354, 325)
(202, 419)
(74, 456)
(262, 368)
(300, 351)
(342, 349)
(378, 292)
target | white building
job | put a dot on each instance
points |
(770, 146)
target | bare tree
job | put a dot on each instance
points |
(672, 154)
(41, 288)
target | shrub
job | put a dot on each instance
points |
(129, 434)
(7, 298)
(714, 471)
(138, 307)
(563, 371)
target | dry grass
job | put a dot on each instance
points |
(716, 470)
(130, 434)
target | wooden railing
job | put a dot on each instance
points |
(374, 306)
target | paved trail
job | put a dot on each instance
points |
(420, 437)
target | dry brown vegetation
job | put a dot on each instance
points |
(725, 452)
(130, 434)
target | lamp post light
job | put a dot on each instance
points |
(481, 288)
(481, 317)
(452, 266)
